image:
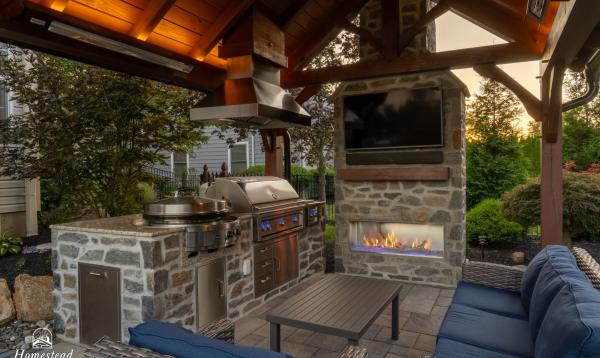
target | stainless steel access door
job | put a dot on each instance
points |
(211, 292)
(99, 303)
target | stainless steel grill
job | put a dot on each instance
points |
(276, 208)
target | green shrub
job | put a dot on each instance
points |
(581, 205)
(10, 244)
(486, 219)
(329, 235)
(147, 192)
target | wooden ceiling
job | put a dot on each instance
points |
(190, 30)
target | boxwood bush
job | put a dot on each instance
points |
(486, 219)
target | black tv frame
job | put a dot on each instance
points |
(397, 148)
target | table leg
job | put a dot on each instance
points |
(395, 317)
(275, 337)
(352, 342)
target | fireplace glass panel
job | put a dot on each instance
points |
(398, 239)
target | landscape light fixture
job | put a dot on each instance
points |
(91, 38)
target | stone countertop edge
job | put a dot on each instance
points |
(120, 225)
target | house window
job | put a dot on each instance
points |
(180, 162)
(238, 158)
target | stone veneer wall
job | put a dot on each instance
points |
(157, 277)
(416, 202)
(410, 12)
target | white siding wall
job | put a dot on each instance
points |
(12, 196)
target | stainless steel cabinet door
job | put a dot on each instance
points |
(211, 298)
(99, 303)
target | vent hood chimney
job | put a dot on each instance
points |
(251, 97)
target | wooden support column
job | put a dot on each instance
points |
(273, 146)
(552, 170)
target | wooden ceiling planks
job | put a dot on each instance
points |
(150, 18)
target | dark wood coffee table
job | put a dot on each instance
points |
(339, 305)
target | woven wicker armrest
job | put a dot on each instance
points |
(222, 329)
(354, 352)
(105, 347)
(588, 265)
(493, 275)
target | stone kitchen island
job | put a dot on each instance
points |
(154, 277)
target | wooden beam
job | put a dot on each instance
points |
(408, 173)
(10, 9)
(390, 28)
(501, 21)
(409, 34)
(150, 18)
(273, 146)
(532, 104)
(24, 34)
(290, 13)
(551, 216)
(306, 93)
(322, 35)
(504, 53)
(574, 23)
(217, 30)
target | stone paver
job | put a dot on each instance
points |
(422, 309)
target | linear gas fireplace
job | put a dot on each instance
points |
(397, 239)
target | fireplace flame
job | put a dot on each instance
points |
(391, 241)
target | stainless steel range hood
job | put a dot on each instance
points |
(251, 97)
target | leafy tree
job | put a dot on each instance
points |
(581, 140)
(88, 132)
(581, 205)
(495, 162)
(530, 147)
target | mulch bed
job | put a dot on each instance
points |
(35, 264)
(529, 246)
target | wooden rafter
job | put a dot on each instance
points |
(290, 13)
(322, 35)
(218, 29)
(499, 20)
(531, 103)
(504, 53)
(574, 23)
(150, 18)
(409, 34)
(390, 28)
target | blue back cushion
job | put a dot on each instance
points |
(560, 269)
(530, 275)
(171, 339)
(571, 327)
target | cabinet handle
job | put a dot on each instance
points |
(265, 280)
(277, 264)
(221, 288)
(98, 274)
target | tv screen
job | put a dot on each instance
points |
(405, 118)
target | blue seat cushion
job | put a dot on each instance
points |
(559, 269)
(171, 339)
(532, 272)
(571, 327)
(450, 348)
(490, 299)
(486, 330)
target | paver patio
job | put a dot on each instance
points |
(422, 309)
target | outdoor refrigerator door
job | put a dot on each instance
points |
(211, 294)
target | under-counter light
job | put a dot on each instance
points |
(109, 44)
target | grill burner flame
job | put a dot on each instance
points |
(391, 241)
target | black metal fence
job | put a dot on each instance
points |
(307, 185)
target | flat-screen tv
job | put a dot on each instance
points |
(403, 118)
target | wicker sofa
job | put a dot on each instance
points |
(551, 308)
(222, 330)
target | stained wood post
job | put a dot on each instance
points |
(273, 146)
(552, 170)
